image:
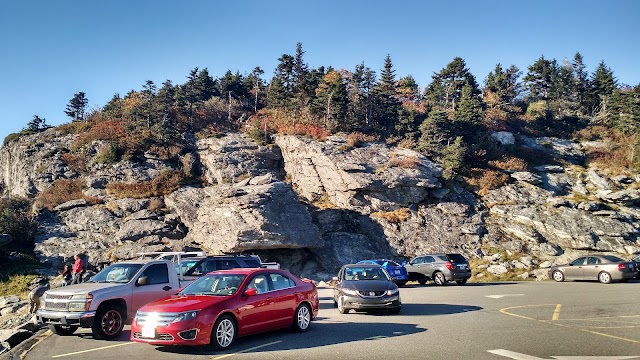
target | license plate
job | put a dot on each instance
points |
(397, 272)
(148, 332)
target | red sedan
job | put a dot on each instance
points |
(223, 305)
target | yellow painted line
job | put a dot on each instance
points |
(611, 336)
(246, 350)
(556, 313)
(506, 312)
(40, 339)
(91, 350)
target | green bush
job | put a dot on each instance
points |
(17, 221)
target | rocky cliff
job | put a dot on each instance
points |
(314, 206)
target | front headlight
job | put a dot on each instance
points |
(186, 316)
(349, 292)
(80, 302)
(392, 292)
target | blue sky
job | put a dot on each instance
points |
(54, 49)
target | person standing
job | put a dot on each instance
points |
(66, 275)
(76, 271)
(35, 295)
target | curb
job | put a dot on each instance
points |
(21, 350)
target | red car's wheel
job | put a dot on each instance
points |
(302, 319)
(224, 332)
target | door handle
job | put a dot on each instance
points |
(166, 288)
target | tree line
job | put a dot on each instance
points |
(449, 119)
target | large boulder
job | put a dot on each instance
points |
(364, 179)
(233, 158)
(226, 218)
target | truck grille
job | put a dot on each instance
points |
(58, 297)
(155, 318)
(55, 305)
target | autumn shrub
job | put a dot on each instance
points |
(324, 202)
(408, 143)
(405, 162)
(395, 216)
(75, 162)
(61, 191)
(110, 130)
(357, 139)
(156, 204)
(509, 163)
(485, 180)
(165, 183)
(167, 152)
(107, 154)
(75, 127)
(619, 153)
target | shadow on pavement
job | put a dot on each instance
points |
(318, 335)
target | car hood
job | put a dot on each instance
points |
(82, 288)
(181, 303)
(368, 285)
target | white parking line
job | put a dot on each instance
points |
(90, 350)
(246, 350)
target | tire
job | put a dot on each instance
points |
(604, 277)
(439, 279)
(62, 330)
(401, 283)
(341, 307)
(302, 319)
(108, 323)
(395, 311)
(461, 282)
(558, 276)
(223, 333)
(422, 281)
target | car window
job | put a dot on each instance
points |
(226, 264)
(252, 263)
(593, 261)
(391, 263)
(260, 283)
(120, 273)
(429, 259)
(157, 274)
(280, 282)
(442, 258)
(613, 259)
(217, 284)
(578, 261)
(457, 258)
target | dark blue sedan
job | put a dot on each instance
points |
(396, 271)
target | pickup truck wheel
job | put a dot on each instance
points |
(62, 330)
(438, 278)
(302, 319)
(108, 323)
(223, 333)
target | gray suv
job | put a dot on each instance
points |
(440, 268)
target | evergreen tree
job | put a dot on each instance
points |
(539, 79)
(331, 101)
(114, 108)
(445, 89)
(580, 82)
(256, 84)
(468, 114)
(36, 124)
(301, 78)
(501, 90)
(386, 100)
(77, 106)
(433, 133)
(603, 83)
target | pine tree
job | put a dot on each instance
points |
(445, 89)
(433, 133)
(539, 79)
(580, 82)
(386, 100)
(330, 102)
(36, 124)
(114, 108)
(77, 106)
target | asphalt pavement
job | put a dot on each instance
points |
(517, 320)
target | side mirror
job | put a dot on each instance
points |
(142, 280)
(335, 278)
(251, 292)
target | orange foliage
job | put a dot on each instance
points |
(61, 191)
(405, 162)
(110, 130)
(485, 180)
(75, 162)
(357, 139)
(163, 184)
(395, 216)
(509, 164)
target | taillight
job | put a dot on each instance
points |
(449, 265)
(622, 266)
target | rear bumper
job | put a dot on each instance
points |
(80, 319)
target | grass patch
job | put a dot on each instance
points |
(395, 216)
(165, 183)
(17, 273)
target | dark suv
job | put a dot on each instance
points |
(198, 266)
(440, 268)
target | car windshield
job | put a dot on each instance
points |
(184, 265)
(215, 284)
(117, 273)
(365, 273)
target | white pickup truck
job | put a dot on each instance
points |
(110, 298)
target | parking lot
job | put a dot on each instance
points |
(523, 320)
